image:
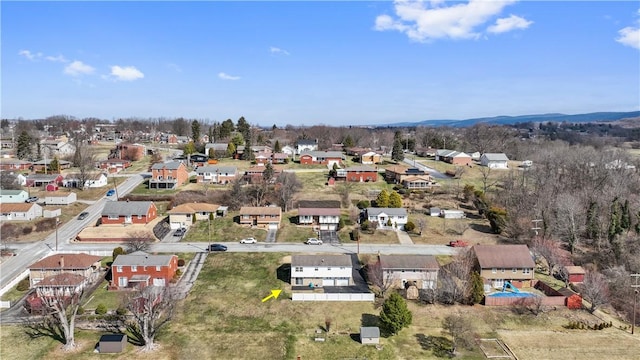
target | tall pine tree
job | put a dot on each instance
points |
(395, 314)
(396, 153)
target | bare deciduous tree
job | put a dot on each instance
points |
(460, 330)
(552, 253)
(595, 289)
(378, 278)
(152, 308)
(287, 186)
(139, 241)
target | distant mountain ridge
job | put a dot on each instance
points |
(510, 120)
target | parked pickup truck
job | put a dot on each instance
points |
(458, 243)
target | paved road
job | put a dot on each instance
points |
(433, 172)
(30, 253)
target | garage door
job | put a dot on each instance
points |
(327, 282)
(342, 282)
(324, 227)
(158, 282)
(174, 225)
(273, 226)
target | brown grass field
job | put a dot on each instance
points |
(224, 318)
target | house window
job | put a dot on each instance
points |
(157, 268)
(341, 267)
(134, 268)
(316, 269)
(526, 271)
(139, 217)
(118, 268)
(515, 270)
(299, 281)
(298, 269)
(113, 217)
(328, 269)
(502, 270)
(494, 270)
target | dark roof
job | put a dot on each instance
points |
(307, 142)
(319, 211)
(70, 261)
(316, 204)
(321, 260)
(409, 262)
(503, 256)
(126, 208)
(112, 337)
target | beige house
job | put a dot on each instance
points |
(183, 214)
(499, 264)
(268, 217)
(404, 270)
(85, 265)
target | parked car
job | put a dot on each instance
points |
(83, 215)
(249, 240)
(111, 192)
(313, 241)
(180, 232)
(217, 247)
(32, 199)
(458, 243)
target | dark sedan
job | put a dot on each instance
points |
(217, 247)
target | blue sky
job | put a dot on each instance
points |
(322, 62)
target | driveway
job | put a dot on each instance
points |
(404, 238)
(271, 236)
(433, 172)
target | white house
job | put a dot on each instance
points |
(289, 150)
(306, 145)
(94, 180)
(20, 212)
(216, 174)
(60, 198)
(13, 196)
(388, 218)
(321, 270)
(494, 160)
(419, 270)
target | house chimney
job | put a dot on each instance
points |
(62, 261)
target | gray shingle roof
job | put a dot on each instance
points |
(321, 260)
(11, 192)
(389, 211)
(172, 165)
(126, 208)
(496, 156)
(140, 258)
(370, 332)
(409, 262)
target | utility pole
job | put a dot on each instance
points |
(535, 227)
(636, 289)
(57, 222)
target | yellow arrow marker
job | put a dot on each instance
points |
(274, 294)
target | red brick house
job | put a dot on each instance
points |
(321, 157)
(140, 269)
(263, 216)
(129, 151)
(361, 174)
(128, 212)
(114, 165)
(168, 175)
(42, 180)
(15, 164)
(60, 287)
(396, 174)
(255, 173)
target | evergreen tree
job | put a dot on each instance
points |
(117, 251)
(397, 154)
(382, 201)
(395, 314)
(212, 153)
(243, 127)
(54, 165)
(195, 131)
(211, 137)
(189, 148)
(231, 149)
(625, 216)
(637, 227)
(615, 220)
(395, 200)
(267, 174)
(226, 128)
(593, 229)
(248, 153)
(497, 219)
(348, 142)
(23, 145)
(276, 147)
(477, 288)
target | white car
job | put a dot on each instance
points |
(313, 241)
(248, 241)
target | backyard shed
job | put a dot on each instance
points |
(370, 335)
(575, 274)
(434, 211)
(112, 343)
(452, 214)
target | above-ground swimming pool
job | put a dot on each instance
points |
(511, 294)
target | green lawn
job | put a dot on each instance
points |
(111, 299)
(223, 229)
(290, 232)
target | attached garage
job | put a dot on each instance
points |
(328, 282)
(273, 226)
(158, 282)
(342, 282)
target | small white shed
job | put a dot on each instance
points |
(434, 211)
(370, 335)
(452, 214)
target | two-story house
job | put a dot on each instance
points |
(321, 270)
(262, 216)
(168, 175)
(303, 145)
(498, 264)
(216, 174)
(140, 269)
(387, 218)
(88, 266)
(128, 212)
(321, 214)
(400, 270)
(360, 174)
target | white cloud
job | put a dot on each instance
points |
(77, 68)
(29, 55)
(276, 50)
(225, 76)
(629, 36)
(512, 22)
(58, 58)
(126, 73)
(423, 22)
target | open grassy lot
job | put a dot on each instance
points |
(290, 232)
(223, 229)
